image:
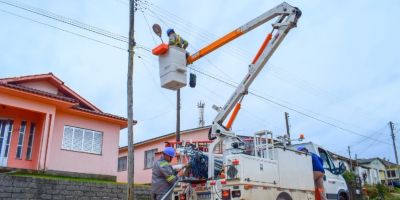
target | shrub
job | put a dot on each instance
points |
(349, 176)
(378, 192)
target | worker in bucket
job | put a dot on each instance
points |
(318, 171)
(163, 176)
(176, 40)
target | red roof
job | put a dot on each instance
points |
(39, 92)
(65, 93)
(55, 81)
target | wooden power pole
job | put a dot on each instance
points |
(178, 115)
(391, 124)
(351, 162)
(287, 127)
(130, 187)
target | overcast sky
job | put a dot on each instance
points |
(340, 65)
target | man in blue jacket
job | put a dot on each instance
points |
(318, 171)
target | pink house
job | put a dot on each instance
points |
(44, 125)
(145, 153)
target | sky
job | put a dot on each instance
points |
(336, 74)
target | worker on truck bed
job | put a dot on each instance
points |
(176, 40)
(163, 176)
(318, 171)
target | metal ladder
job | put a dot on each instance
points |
(264, 145)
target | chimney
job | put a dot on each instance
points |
(200, 106)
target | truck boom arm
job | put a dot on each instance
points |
(287, 17)
(283, 9)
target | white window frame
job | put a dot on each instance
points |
(29, 149)
(23, 138)
(145, 158)
(83, 140)
(120, 168)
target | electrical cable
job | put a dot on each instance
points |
(367, 147)
(185, 23)
(344, 123)
(182, 28)
(124, 39)
(66, 20)
(289, 108)
(154, 81)
(64, 30)
(294, 110)
(148, 25)
(204, 34)
(260, 121)
(371, 135)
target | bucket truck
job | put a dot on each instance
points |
(270, 169)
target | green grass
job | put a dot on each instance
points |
(54, 177)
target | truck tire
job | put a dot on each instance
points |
(343, 196)
(284, 196)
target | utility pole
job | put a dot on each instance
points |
(200, 106)
(351, 163)
(178, 115)
(287, 127)
(130, 187)
(392, 128)
(355, 157)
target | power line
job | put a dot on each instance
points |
(154, 81)
(124, 39)
(368, 147)
(294, 110)
(205, 36)
(371, 135)
(71, 32)
(148, 25)
(64, 30)
(259, 119)
(146, 5)
(67, 20)
(289, 108)
(184, 28)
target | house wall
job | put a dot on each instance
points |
(18, 101)
(73, 161)
(372, 175)
(18, 115)
(376, 167)
(396, 173)
(143, 175)
(41, 85)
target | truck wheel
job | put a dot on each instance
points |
(342, 196)
(284, 196)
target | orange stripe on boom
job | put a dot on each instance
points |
(265, 43)
(215, 45)
(233, 116)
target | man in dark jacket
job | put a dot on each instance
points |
(163, 176)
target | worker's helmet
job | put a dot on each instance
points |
(170, 30)
(169, 151)
(302, 148)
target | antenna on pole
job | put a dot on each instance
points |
(200, 106)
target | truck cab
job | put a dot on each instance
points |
(335, 185)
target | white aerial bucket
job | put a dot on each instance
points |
(173, 68)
